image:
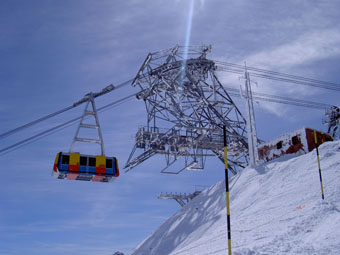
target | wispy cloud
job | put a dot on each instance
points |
(299, 57)
(306, 49)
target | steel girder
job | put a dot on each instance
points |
(187, 108)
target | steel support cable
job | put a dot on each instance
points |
(11, 132)
(288, 102)
(59, 127)
(293, 100)
(264, 76)
(281, 99)
(64, 125)
(104, 91)
(241, 67)
(296, 103)
(285, 78)
(306, 83)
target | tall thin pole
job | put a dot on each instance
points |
(227, 187)
(317, 153)
(251, 126)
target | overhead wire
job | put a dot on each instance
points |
(222, 66)
(13, 131)
(272, 75)
(259, 70)
(280, 99)
(231, 91)
(29, 124)
(60, 127)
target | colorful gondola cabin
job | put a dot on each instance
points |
(75, 166)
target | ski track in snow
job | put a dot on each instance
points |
(275, 209)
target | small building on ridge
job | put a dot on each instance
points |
(298, 142)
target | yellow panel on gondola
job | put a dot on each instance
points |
(74, 159)
(56, 159)
(100, 161)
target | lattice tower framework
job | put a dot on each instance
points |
(186, 107)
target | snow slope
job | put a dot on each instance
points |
(275, 209)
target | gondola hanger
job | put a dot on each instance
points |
(76, 166)
(89, 112)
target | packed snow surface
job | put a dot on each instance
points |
(275, 209)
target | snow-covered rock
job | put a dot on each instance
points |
(275, 209)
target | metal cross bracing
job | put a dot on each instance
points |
(181, 198)
(183, 55)
(333, 121)
(186, 107)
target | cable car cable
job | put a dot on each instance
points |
(231, 91)
(63, 126)
(307, 104)
(102, 92)
(8, 133)
(265, 74)
(290, 76)
(223, 67)
(281, 99)
(59, 127)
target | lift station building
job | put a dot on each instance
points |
(298, 142)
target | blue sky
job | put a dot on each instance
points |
(54, 52)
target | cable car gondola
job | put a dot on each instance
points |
(76, 166)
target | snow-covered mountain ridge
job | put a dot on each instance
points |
(275, 209)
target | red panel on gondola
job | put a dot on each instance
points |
(98, 178)
(100, 170)
(73, 168)
(56, 162)
(72, 176)
(117, 168)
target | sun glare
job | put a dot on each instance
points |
(187, 38)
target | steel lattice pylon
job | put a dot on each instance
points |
(187, 107)
(333, 121)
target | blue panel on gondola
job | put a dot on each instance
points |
(63, 168)
(64, 163)
(92, 169)
(83, 169)
(109, 167)
(109, 172)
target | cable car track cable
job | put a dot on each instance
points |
(264, 76)
(83, 100)
(290, 76)
(223, 66)
(59, 127)
(272, 75)
(231, 91)
(280, 99)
